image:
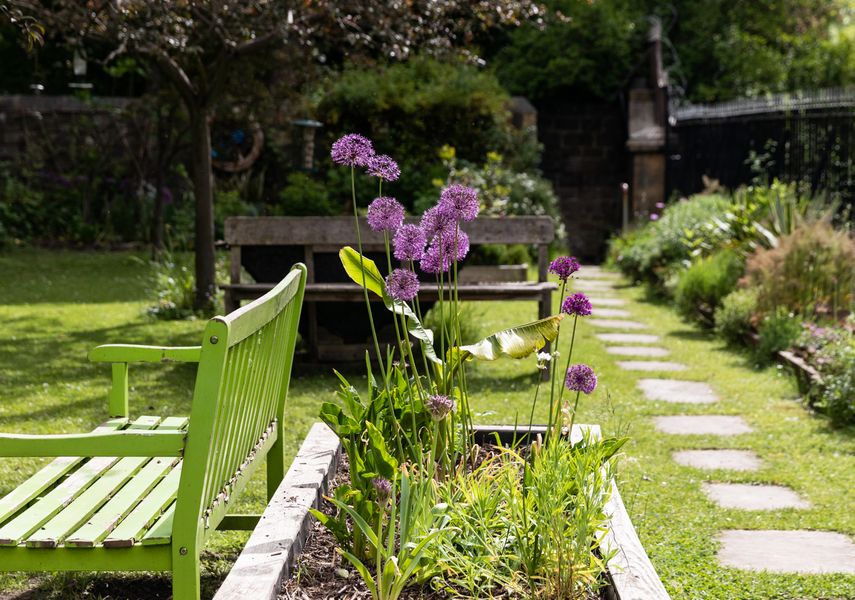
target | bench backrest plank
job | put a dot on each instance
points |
(238, 404)
(339, 231)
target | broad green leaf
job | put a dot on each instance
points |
(516, 342)
(356, 265)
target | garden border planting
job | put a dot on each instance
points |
(272, 550)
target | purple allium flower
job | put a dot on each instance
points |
(384, 167)
(460, 202)
(402, 285)
(564, 267)
(439, 406)
(385, 214)
(383, 487)
(432, 263)
(581, 378)
(654, 217)
(576, 304)
(449, 244)
(409, 242)
(353, 150)
(660, 205)
(437, 222)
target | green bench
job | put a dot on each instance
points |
(145, 494)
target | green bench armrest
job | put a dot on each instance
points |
(128, 353)
(114, 443)
(120, 355)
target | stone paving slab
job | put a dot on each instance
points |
(795, 551)
(702, 425)
(616, 324)
(745, 496)
(672, 390)
(713, 459)
(607, 302)
(611, 312)
(649, 351)
(628, 338)
(650, 365)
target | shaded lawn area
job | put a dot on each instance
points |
(56, 306)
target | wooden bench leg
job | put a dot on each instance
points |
(231, 304)
(186, 573)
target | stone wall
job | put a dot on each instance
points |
(585, 158)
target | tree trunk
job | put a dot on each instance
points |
(203, 190)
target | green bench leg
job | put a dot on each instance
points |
(186, 573)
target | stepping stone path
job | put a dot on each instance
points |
(616, 324)
(649, 351)
(597, 302)
(787, 551)
(794, 551)
(701, 425)
(650, 365)
(669, 390)
(745, 496)
(611, 312)
(628, 338)
(716, 459)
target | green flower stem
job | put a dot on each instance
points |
(552, 367)
(569, 356)
(573, 416)
(466, 420)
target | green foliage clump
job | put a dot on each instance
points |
(734, 317)
(587, 48)
(701, 287)
(778, 331)
(416, 107)
(175, 286)
(502, 191)
(810, 272)
(650, 252)
(470, 318)
(303, 196)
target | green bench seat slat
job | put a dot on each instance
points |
(119, 506)
(134, 526)
(29, 490)
(160, 532)
(75, 514)
(22, 526)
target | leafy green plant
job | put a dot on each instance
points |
(701, 288)
(470, 318)
(414, 521)
(303, 196)
(778, 331)
(174, 285)
(650, 252)
(831, 351)
(734, 317)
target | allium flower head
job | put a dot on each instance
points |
(439, 406)
(402, 285)
(654, 217)
(564, 267)
(409, 242)
(436, 222)
(384, 167)
(383, 487)
(460, 202)
(576, 304)
(385, 214)
(452, 244)
(432, 263)
(353, 150)
(581, 378)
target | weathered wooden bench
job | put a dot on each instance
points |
(334, 324)
(146, 494)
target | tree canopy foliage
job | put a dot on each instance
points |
(713, 49)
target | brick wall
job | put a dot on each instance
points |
(586, 160)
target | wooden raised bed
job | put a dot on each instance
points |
(272, 550)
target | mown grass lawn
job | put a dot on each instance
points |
(55, 306)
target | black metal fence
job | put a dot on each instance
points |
(808, 138)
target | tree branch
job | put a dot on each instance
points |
(175, 74)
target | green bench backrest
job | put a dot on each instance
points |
(239, 400)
